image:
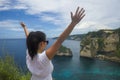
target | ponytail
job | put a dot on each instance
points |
(33, 40)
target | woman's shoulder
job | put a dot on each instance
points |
(43, 57)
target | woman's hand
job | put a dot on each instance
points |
(22, 24)
(25, 29)
(78, 16)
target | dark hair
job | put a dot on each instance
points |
(33, 40)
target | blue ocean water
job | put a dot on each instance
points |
(66, 68)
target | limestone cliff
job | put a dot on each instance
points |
(64, 51)
(103, 42)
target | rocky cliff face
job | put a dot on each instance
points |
(103, 42)
(64, 51)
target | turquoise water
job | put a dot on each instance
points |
(67, 68)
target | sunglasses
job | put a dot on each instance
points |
(46, 41)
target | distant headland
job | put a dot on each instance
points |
(102, 44)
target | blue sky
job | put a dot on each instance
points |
(53, 16)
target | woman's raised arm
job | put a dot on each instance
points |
(76, 18)
(25, 29)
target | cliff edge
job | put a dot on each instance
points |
(103, 44)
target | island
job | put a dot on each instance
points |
(102, 44)
(64, 51)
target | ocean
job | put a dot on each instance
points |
(66, 68)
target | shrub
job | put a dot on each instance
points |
(118, 45)
(100, 44)
(118, 52)
(86, 41)
(63, 49)
(10, 71)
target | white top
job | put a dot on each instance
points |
(40, 67)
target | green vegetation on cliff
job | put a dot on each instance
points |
(86, 41)
(118, 44)
(100, 44)
(99, 34)
(63, 49)
(105, 42)
(10, 71)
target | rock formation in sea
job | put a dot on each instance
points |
(103, 44)
(64, 51)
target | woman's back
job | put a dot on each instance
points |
(40, 67)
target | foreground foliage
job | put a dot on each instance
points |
(10, 71)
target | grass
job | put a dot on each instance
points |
(10, 71)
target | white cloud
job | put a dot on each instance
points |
(16, 29)
(96, 10)
(99, 13)
(12, 25)
(4, 5)
(21, 29)
(3, 2)
(7, 5)
(12, 29)
(8, 23)
(38, 6)
(4, 8)
(56, 20)
(20, 6)
(90, 24)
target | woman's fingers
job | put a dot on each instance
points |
(77, 10)
(71, 15)
(82, 13)
(82, 16)
(79, 14)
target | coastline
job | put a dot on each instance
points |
(112, 58)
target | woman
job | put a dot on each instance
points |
(38, 60)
